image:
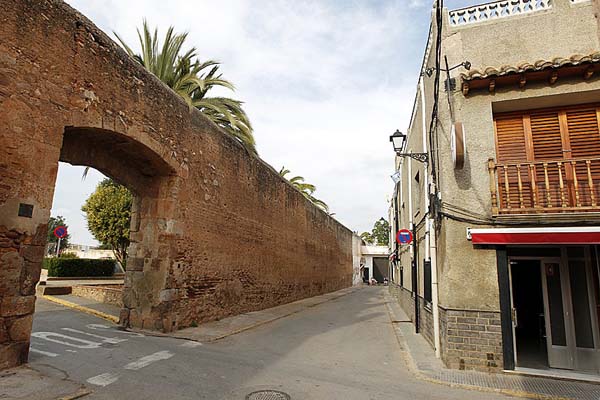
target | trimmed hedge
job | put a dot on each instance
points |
(79, 267)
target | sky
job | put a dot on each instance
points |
(325, 83)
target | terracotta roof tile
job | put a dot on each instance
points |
(557, 62)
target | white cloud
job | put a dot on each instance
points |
(325, 82)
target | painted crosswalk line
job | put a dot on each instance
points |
(190, 344)
(102, 327)
(105, 339)
(66, 340)
(42, 352)
(147, 360)
(104, 379)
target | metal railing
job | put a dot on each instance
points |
(553, 186)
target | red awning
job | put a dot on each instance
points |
(559, 235)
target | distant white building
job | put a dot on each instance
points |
(85, 251)
(376, 263)
(368, 262)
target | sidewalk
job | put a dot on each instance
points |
(40, 385)
(421, 360)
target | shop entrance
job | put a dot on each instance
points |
(555, 308)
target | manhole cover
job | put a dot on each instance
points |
(268, 395)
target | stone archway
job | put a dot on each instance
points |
(132, 161)
(154, 182)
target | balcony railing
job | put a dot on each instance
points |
(495, 10)
(554, 186)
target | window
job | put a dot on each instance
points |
(427, 281)
(549, 157)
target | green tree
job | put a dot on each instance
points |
(307, 189)
(192, 80)
(367, 237)
(108, 213)
(379, 235)
(54, 222)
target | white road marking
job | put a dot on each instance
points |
(190, 344)
(103, 338)
(44, 353)
(104, 379)
(147, 360)
(101, 327)
(71, 351)
(52, 337)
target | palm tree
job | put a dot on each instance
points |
(305, 188)
(192, 80)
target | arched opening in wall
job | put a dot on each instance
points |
(128, 200)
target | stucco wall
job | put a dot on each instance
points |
(215, 230)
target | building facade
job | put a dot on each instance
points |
(375, 263)
(499, 181)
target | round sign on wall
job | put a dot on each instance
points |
(457, 144)
(60, 231)
(404, 236)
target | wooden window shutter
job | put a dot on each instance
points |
(511, 148)
(548, 144)
(583, 133)
(584, 138)
(510, 138)
(546, 136)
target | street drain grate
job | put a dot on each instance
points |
(268, 395)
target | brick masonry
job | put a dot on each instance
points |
(215, 230)
(469, 340)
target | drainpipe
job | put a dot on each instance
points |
(430, 243)
(413, 248)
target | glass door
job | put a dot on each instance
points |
(583, 304)
(557, 313)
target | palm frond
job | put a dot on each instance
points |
(192, 79)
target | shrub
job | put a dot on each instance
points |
(68, 255)
(78, 267)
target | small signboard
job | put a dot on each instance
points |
(404, 236)
(60, 231)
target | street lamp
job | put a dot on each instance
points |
(398, 139)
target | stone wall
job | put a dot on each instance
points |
(104, 294)
(215, 230)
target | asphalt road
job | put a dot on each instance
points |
(343, 349)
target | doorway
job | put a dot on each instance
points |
(554, 315)
(528, 314)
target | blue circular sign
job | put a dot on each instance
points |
(404, 236)
(60, 232)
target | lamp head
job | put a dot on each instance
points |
(398, 139)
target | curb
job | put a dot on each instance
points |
(77, 395)
(86, 310)
(414, 369)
